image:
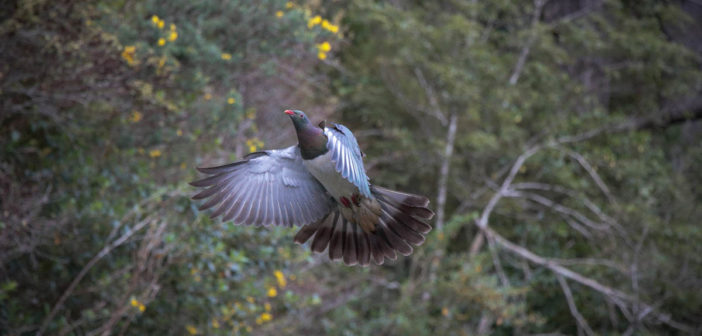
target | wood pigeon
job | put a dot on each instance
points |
(321, 185)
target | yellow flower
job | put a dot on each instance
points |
(249, 299)
(329, 26)
(272, 292)
(161, 62)
(142, 307)
(267, 306)
(191, 329)
(173, 36)
(128, 54)
(324, 46)
(226, 56)
(155, 19)
(322, 55)
(160, 24)
(136, 116)
(179, 132)
(215, 323)
(182, 166)
(333, 28)
(281, 278)
(289, 5)
(161, 42)
(254, 144)
(314, 21)
(154, 153)
(231, 101)
(279, 14)
(265, 317)
(173, 27)
(208, 96)
(134, 302)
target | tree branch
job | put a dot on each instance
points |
(582, 322)
(672, 115)
(105, 251)
(617, 296)
(444, 172)
(593, 174)
(483, 220)
(538, 6)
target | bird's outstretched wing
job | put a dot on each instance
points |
(347, 156)
(268, 187)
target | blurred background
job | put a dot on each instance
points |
(560, 143)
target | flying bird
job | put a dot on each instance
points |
(321, 185)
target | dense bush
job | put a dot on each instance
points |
(559, 142)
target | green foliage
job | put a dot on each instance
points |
(107, 120)
(108, 106)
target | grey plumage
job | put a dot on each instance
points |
(325, 190)
(266, 188)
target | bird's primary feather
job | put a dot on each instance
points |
(321, 185)
(266, 188)
(347, 156)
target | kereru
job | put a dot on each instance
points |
(320, 184)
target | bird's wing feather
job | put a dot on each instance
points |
(347, 156)
(269, 187)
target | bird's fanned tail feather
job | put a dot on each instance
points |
(402, 222)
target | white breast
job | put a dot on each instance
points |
(323, 169)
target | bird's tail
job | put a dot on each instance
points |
(401, 223)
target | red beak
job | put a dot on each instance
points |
(289, 112)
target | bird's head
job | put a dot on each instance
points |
(298, 118)
(311, 138)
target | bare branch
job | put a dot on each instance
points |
(483, 220)
(538, 6)
(576, 226)
(444, 172)
(677, 113)
(431, 96)
(560, 208)
(498, 265)
(571, 193)
(635, 279)
(105, 251)
(590, 170)
(591, 262)
(582, 322)
(620, 298)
